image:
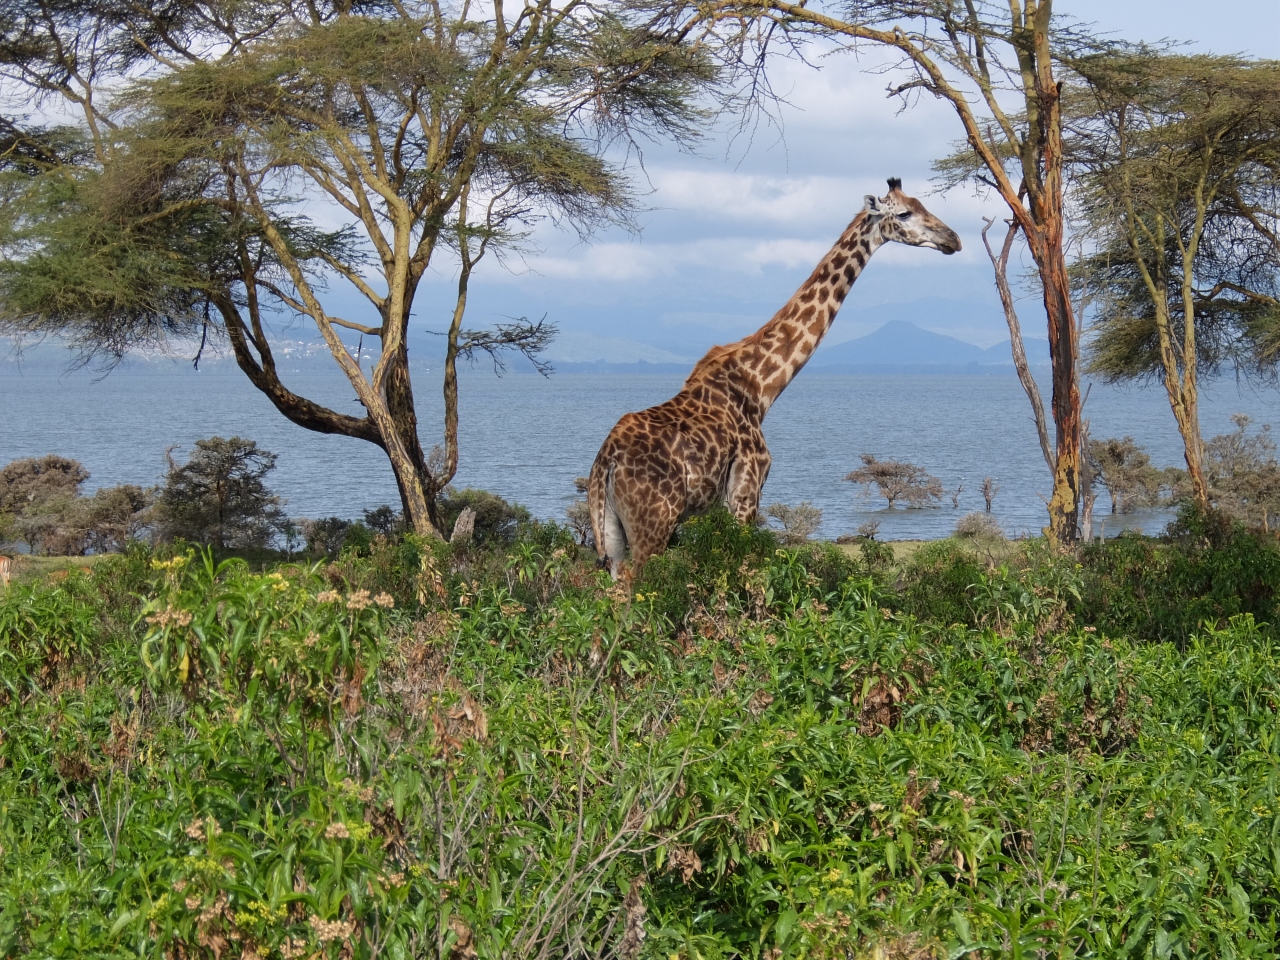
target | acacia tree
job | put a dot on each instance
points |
(213, 138)
(897, 481)
(220, 495)
(996, 65)
(1178, 159)
(1125, 470)
(1244, 478)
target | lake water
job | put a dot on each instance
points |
(527, 438)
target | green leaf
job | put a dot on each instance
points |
(786, 922)
(122, 921)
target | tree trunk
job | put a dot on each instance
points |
(1064, 505)
(417, 494)
(401, 409)
(1185, 402)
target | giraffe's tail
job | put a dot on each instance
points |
(606, 525)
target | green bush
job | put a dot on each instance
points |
(936, 583)
(1206, 569)
(497, 521)
(432, 751)
(713, 560)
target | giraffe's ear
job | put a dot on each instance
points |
(872, 204)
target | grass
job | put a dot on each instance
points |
(459, 752)
(27, 568)
(996, 551)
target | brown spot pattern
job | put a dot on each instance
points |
(707, 442)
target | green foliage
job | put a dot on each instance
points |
(505, 752)
(1177, 158)
(935, 583)
(220, 496)
(712, 555)
(1208, 569)
(330, 536)
(497, 521)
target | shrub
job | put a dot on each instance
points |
(936, 583)
(979, 526)
(1206, 569)
(497, 521)
(798, 523)
(286, 764)
(712, 556)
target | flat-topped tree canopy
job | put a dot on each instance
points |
(230, 163)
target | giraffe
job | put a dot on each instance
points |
(663, 464)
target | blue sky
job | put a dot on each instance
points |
(728, 234)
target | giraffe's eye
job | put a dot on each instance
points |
(905, 215)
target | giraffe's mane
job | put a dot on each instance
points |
(715, 357)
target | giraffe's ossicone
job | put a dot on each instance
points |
(706, 443)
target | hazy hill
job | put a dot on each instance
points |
(901, 346)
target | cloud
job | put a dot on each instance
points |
(730, 195)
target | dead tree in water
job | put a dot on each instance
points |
(989, 490)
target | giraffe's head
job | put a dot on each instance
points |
(905, 220)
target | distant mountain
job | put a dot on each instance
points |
(902, 347)
(899, 346)
(899, 342)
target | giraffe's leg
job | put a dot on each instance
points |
(606, 525)
(746, 481)
(614, 545)
(651, 533)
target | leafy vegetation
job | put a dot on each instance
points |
(41, 505)
(466, 751)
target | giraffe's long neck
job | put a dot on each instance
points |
(775, 353)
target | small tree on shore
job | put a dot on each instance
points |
(1125, 470)
(897, 481)
(579, 517)
(799, 523)
(220, 496)
(35, 492)
(1243, 476)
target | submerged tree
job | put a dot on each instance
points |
(1178, 159)
(897, 481)
(215, 138)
